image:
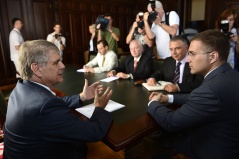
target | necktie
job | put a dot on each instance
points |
(135, 64)
(177, 73)
(103, 60)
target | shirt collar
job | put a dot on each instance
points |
(44, 87)
(137, 59)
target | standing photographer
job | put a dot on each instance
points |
(110, 34)
(160, 30)
(57, 38)
(137, 31)
(225, 23)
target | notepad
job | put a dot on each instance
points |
(159, 86)
(89, 109)
(109, 79)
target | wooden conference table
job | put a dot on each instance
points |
(131, 123)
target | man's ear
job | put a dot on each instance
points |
(36, 69)
(214, 56)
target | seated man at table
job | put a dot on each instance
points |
(105, 60)
(41, 125)
(136, 66)
(175, 69)
(209, 114)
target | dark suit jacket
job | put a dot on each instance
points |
(143, 70)
(166, 73)
(211, 111)
(40, 125)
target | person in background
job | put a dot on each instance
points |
(57, 38)
(160, 30)
(137, 66)
(105, 60)
(175, 69)
(111, 34)
(230, 30)
(15, 41)
(40, 124)
(137, 31)
(93, 41)
(208, 117)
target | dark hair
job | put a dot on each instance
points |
(107, 15)
(214, 40)
(14, 20)
(181, 38)
(104, 42)
(56, 23)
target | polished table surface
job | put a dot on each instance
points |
(131, 123)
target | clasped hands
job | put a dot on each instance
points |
(88, 69)
(161, 98)
(118, 75)
(95, 91)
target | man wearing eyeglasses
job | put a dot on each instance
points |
(209, 114)
(175, 69)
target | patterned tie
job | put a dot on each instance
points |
(103, 60)
(177, 73)
(135, 64)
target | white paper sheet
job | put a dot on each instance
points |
(109, 79)
(89, 109)
(81, 70)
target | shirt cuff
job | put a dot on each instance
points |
(131, 76)
(170, 98)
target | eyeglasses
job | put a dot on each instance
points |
(192, 54)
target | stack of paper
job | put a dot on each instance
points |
(89, 109)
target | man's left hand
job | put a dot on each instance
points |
(171, 88)
(122, 75)
(89, 91)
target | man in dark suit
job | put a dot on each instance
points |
(41, 125)
(136, 66)
(210, 113)
(186, 81)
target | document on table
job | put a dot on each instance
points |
(81, 70)
(109, 79)
(89, 109)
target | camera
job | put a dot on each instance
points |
(225, 28)
(153, 14)
(102, 21)
(57, 36)
(141, 22)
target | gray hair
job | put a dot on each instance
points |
(36, 51)
(158, 4)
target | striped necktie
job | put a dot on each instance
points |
(177, 73)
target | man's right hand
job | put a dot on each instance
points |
(102, 101)
(98, 27)
(151, 82)
(111, 73)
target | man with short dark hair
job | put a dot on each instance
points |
(15, 41)
(105, 60)
(209, 114)
(57, 38)
(41, 125)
